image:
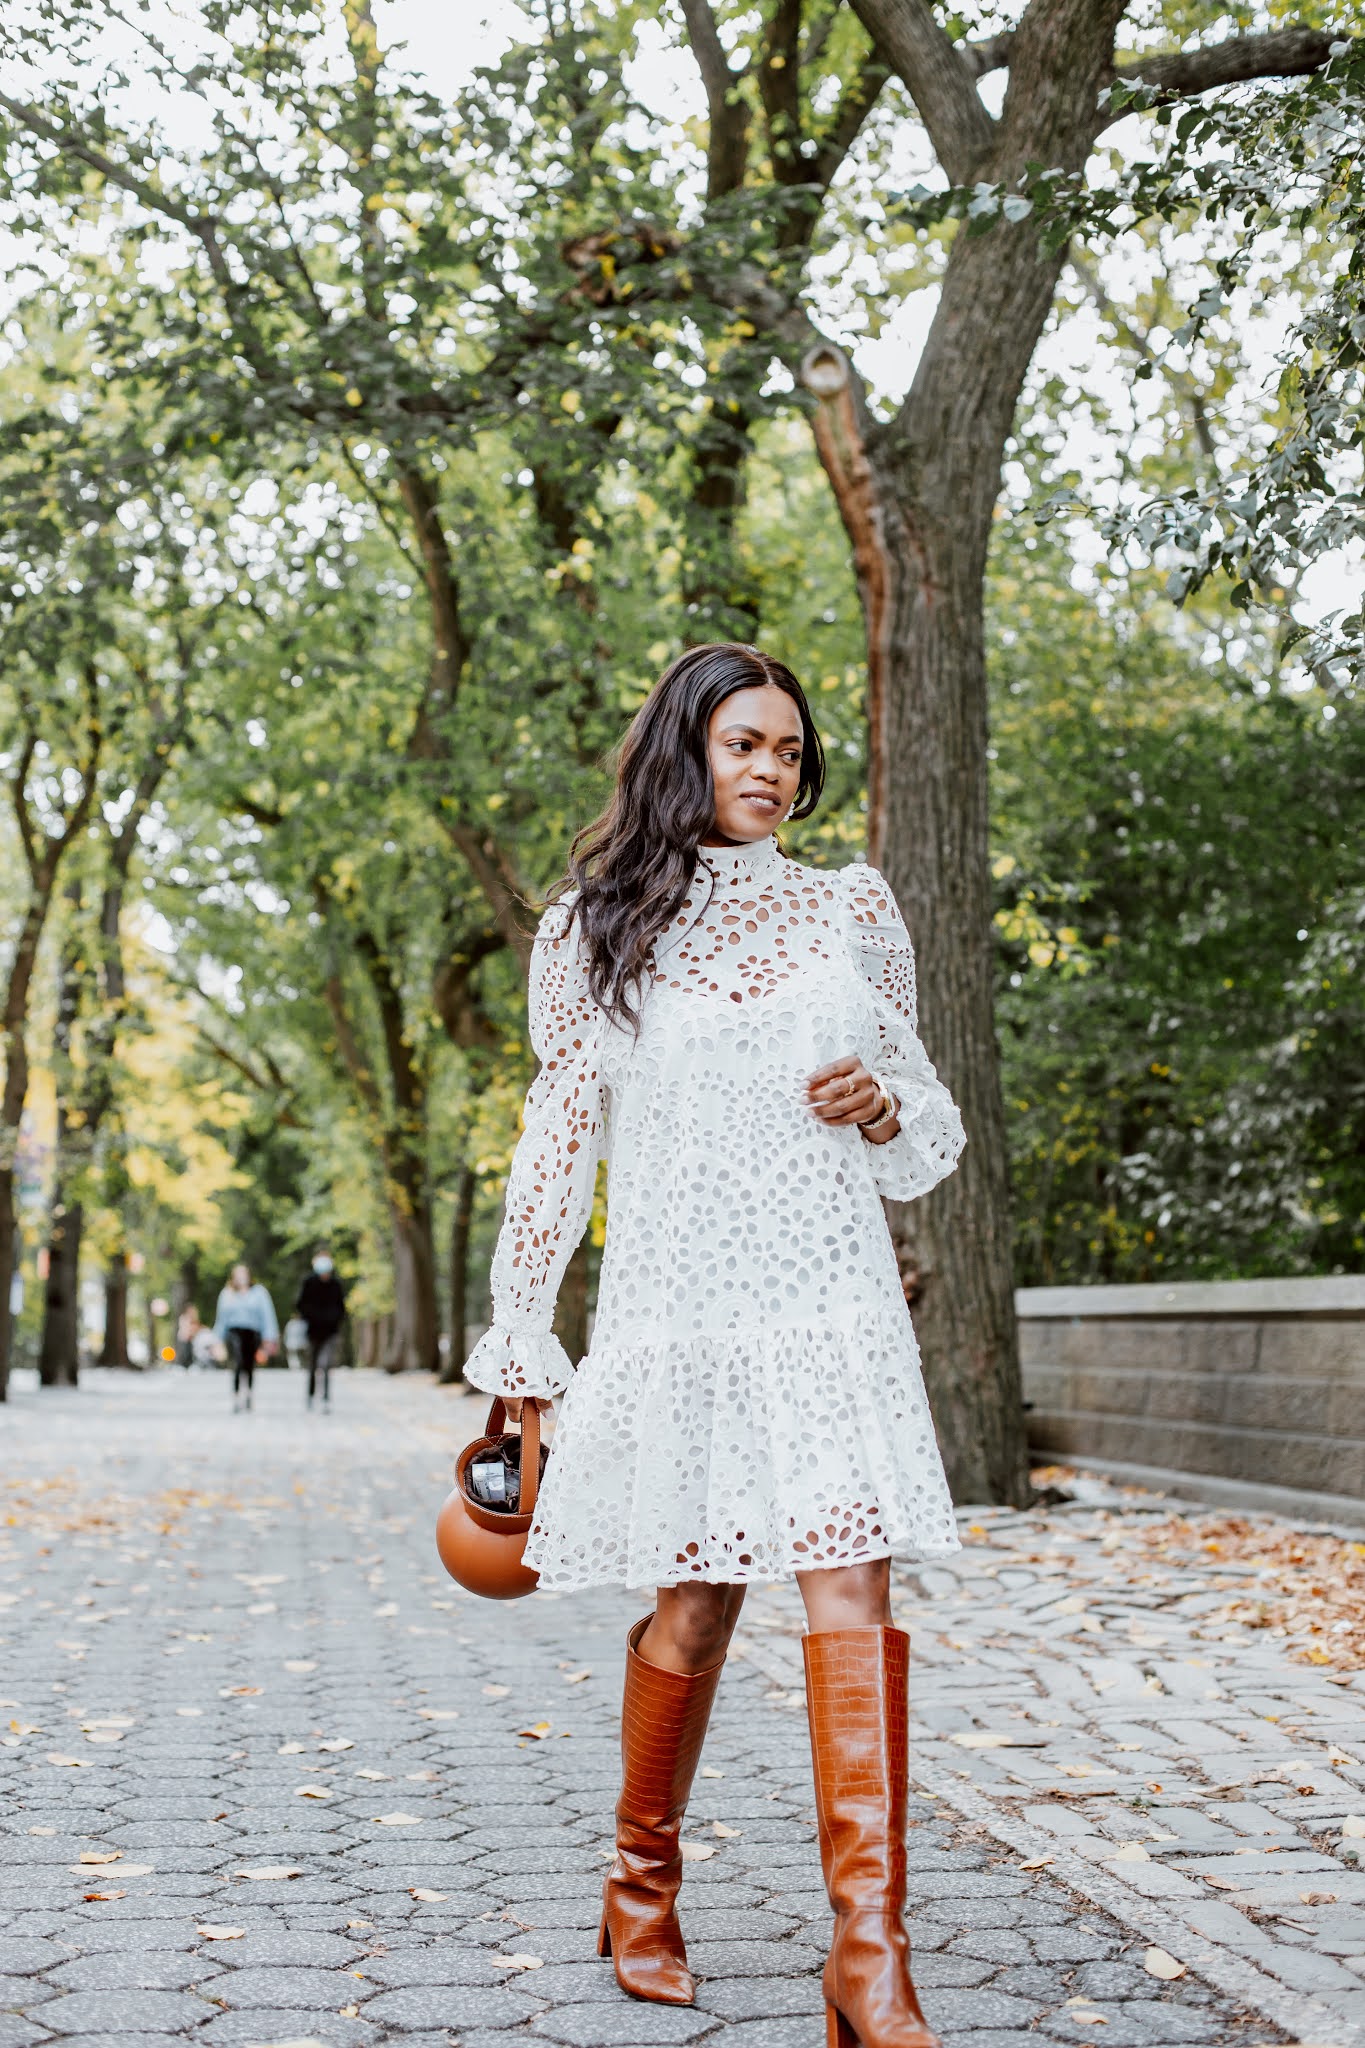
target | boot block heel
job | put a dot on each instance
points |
(604, 1938)
(838, 2032)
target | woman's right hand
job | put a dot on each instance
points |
(513, 1404)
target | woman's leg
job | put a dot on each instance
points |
(850, 1596)
(692, 1626)
(673, 1664)
(857, 1672)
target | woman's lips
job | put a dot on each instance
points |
(760, 803)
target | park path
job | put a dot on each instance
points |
(227, 1653)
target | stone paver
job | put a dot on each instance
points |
(228, 1650)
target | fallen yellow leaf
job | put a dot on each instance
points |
(696, 1852)
(270, 1873)
(417, 1891)
(71, 1763)
(312, 1791)
(221, 1933)
(396, 1820)
(100, 1855)
(718, 1827)
(577, 1677)
(1157, 1963)
(537, 1731)
(516, 1962)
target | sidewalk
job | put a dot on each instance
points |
(347, 1804)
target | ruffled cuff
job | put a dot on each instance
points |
(926, 1148)
(519, 1361)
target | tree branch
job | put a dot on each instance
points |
(1281, 53)
(936, 76)
(992, 53)
(855, 104)
(727, 149)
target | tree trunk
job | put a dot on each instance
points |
(452, 1372)
(114, 1350)
(571, 1309)
(414, 1342)
(955, 1246)
(59, 1351)
(59, 1358)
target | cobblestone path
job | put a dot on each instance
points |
(267, 1778)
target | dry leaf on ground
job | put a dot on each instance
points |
(221, 1933)
(696, 1852)
(89, 1896)
(100, 1855)
(396, 1820)
(517, 1962)
(417, 1891)
(718, 1827)
(1157, 1963)
(312, 1791)
(70, 1763)
(537, 1731)
(270, 1873)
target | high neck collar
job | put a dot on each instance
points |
(743, 863)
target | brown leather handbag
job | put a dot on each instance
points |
(480, 1546)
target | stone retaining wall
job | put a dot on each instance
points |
(1253, 1380)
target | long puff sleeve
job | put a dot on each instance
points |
(929, 1142)
(550, 1186)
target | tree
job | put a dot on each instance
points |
(917, 493)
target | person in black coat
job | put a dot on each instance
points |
(322, 1307)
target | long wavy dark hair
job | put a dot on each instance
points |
(633, 865)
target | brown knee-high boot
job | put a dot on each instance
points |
(858, 1700)
(663, 1721)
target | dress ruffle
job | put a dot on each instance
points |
(519, 1362)
(743, 1457)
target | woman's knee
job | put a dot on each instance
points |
(849, 1596)
(697, 1622)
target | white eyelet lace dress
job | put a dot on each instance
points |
(751, 1405)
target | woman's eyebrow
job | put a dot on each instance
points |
(789, 739)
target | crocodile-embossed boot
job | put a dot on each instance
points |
(663, 1722)
(858, 1701)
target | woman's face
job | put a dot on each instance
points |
(241, 1277)
(754, 743)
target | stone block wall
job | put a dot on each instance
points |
(1260, 1380)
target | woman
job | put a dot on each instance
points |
(246, 1326)
(736, 1033)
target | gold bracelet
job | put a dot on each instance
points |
(888, 1112)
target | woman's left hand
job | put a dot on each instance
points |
(844, 1093)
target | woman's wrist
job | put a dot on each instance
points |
(883, 1125)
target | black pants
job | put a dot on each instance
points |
(242, 1347)
(322, 1356)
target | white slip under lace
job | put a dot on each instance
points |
(752, 1404)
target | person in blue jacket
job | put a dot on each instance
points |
(246, 1326)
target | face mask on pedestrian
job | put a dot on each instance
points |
(322, 1264)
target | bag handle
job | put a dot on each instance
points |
(530, 1447)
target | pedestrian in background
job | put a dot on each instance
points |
(322, 1308)
(246, 1325)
